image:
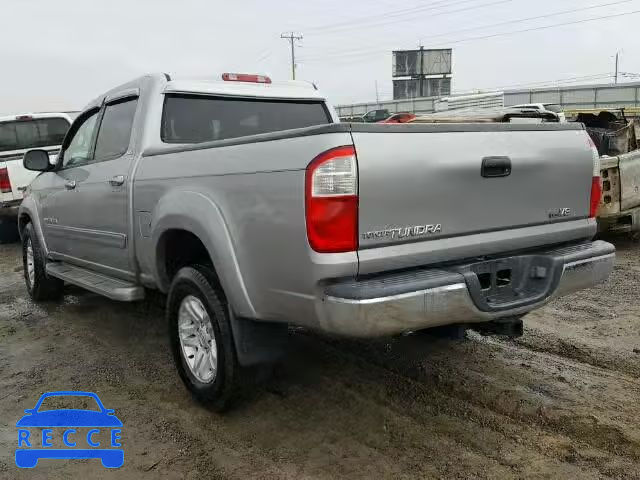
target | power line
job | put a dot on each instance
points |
(386, 15)
(539, 17)
(546, 27)
(355, 24)
(544, 83)
(291, 37)
(500, 24)
(482, 37)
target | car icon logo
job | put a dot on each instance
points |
(69, 433)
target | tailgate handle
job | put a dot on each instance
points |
(493, 167)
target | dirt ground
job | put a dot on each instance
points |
(563, 401)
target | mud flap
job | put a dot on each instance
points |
(258, 342)
(507, 327)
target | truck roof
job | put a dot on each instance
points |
(214, 85)
(276, 89)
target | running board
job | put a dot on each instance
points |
(110, 287)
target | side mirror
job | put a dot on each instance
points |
(29, 410)
(36, 160)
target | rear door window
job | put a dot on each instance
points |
(195, 119)
(115, 129)
(33, 133)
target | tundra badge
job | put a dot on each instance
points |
(404, 232)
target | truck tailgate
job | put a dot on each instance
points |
(423, 182)
(629, 165)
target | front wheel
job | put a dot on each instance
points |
(39, 285)
(201, 337)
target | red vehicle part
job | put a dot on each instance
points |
(399, 118)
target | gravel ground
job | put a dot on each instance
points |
(560, 402)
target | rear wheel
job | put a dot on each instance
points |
(39, 285)
(201, 337)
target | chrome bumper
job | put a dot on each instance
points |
(357, 308)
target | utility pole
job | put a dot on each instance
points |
(421, 72)
(291, 37)
(377, 96)
(617, 61)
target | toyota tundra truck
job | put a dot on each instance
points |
(251, 207)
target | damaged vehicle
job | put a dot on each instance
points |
(617, 138)
(251, 207)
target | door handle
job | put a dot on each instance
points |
(70, 184)
(493, 167)
(116, 181)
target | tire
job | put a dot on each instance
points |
(9, 230)
(41, 287)
(199, 284)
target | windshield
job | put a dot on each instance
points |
(34, 133)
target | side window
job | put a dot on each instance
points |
(115, 129)
(79, 150)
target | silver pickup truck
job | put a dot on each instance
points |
(251, 207)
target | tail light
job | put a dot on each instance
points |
(5, 183)
(596, 181)
(245, 77)
(331, 194)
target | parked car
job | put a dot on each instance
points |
(620, 206)
(544, 107)
(251, 207)
(376, 115)
(402, 117)
(617, 138)
(18, 133)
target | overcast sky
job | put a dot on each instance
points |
(59, 54)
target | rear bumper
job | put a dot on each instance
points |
(424, 298)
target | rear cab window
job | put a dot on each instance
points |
(32, 133)
(197, 118)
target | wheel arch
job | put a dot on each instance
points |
(195, 219)
(28, 213)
